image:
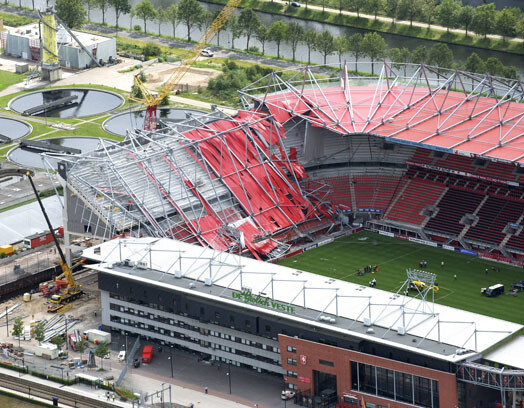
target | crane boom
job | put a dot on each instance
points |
(151, 100)
(73, 290)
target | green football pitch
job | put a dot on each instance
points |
(342, 258)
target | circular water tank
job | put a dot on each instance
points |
(62, 36)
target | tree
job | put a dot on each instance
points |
(341, 47)
(391, 7)
(410, 9)
(295, 33)
(103, 5)
(441, 56)
(374, 46)
(190, 12)
(510, 72)
(101, 351)
(419, 55)
(475, 64)
(355, 47)
(120, 7)
(520, 27)
(234, 29)
(484, 19)
(222, 27)
(374, 6)
(71, 12)
(505, 23)
(248, 21)
(59, 341)
(161, 17)
(146, 11)
(39, 332)
(325, 44)
(18, 329)
(277, 32)
(428, 11)
(205, 20)
(356, 5)
(494, 66)
(89, 4)
(400, 56)
(81, 346)
(465, 17)
(447, 13)
(262, 35)
(310, 37)
(172, 17)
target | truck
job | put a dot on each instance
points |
(74, 338)
(97, 336)
(147, 354)
(493, 290)
(48, 351)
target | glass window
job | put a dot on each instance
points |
(404, 387)
(385, 383)
(366, 376)
(326, 363)
(292, 361)
(291, 349)
(422, 391)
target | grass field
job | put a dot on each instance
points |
(342, 258)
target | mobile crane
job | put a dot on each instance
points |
(73, 290)
(149, 99)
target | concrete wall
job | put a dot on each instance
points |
(17, 46)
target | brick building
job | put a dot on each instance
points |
(335, 343)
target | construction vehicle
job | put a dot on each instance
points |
(421, 286)
(150, 100)
(73, 290)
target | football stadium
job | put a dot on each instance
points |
(362, 237)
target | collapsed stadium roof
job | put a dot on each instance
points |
(228, 182)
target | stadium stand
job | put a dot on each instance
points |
(375, 192)
(417, 195)
(452, 207)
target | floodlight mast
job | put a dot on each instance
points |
(151, 100)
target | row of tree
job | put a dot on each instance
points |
(484, 19)
(370, 45)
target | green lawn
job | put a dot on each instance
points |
(342, 258)
(9, 78)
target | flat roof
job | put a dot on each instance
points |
(510, 354)
(303, 297)
(31, 31)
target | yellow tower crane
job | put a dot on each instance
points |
(151, 100)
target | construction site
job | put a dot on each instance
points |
(142, 263)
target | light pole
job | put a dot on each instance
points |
(170, 358)
(66, 339)
(229, 375)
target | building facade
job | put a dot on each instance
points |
(192, 297)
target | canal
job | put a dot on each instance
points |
(460, 52)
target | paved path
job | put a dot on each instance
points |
(401, 22)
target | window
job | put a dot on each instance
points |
(291, 374)
(326, 363)
(292, 361)
(292, 387)
(394, 385)
(291, 349)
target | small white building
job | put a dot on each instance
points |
(24, 42)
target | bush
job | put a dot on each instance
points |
(137, 27)
(151, 50)
(254, 49)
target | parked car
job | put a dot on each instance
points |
(136, 363)
(287, 394)
(206, 53)
(122, 355)
(295, 4)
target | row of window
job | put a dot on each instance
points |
(203, 331)
(394, 385)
